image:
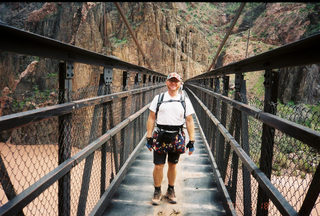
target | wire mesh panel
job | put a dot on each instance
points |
(35, 150)
(34, 153)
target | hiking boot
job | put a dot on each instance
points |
(171, 196)
(156, 197)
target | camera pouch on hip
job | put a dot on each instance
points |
(164, 142)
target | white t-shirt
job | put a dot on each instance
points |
(171, 113)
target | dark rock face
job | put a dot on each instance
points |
(300, 84)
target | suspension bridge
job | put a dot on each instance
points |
(85, 154)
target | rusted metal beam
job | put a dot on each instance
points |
(131, 32)
(227, 35)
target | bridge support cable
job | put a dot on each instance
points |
(279, 201)
(131, 32)
(235, 19)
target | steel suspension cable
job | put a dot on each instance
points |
(227, 35)
(131, 32)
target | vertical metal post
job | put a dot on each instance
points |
(106, 77)
(103, 151)
(216, 109)
(221, 140)
(124, 80)
(138, 108)
(235, 159)
(7, 185)
(130, 135)
(218, 135)
(312, 194)
(270, 99)
(124, 150)
(65, 87)
(245, 145)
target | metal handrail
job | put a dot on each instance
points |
(277, 198)
(301, 52)
(300, 132)
(28, 195)
(19, 119)
(23, 42)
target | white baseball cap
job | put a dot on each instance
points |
(174, 75)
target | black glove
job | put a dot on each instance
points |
(149, 143)
(190, 146)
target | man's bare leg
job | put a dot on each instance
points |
(172, 173)
(157, 179)
(158, 174)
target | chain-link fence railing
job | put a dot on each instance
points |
(294, 163)
(35, 150)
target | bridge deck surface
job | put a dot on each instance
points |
(195, 187)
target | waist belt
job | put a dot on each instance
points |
(170, 128)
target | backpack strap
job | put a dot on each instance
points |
(183, 102)
(160, 99)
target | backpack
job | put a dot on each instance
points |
(182, 101)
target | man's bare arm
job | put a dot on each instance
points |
(150, 123)
(190, 127)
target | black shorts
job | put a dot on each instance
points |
(161, 158)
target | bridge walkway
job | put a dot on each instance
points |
(196, 188)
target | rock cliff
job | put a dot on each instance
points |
(174, 36)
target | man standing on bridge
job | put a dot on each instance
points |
(170, 111)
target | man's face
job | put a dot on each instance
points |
(173, 84)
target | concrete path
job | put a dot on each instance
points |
(195, 187)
